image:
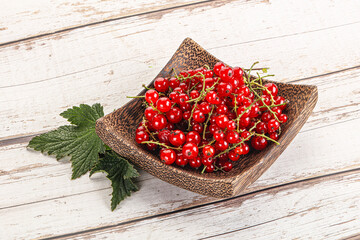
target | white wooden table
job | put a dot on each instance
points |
(56, 54)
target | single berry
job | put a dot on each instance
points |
(271, 88)
(151, 96)
(193, 137)
(273, 125)
(161, 84)
(168, 156)
(208, 151)
(177, 138)
(158, 122)
(258, 142)
(163, 104)
(141, 137)
(190, 150)
(174, 115)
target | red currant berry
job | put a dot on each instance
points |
(245, 135)
(235, 82)
(174, 115)
(238, 72)
(199, 116)
(245, 148)
(265, 117)
(219, 135)
(207, 161)
(205, 107)
(168, 156)
(283, 118)
(149, 113)
(221, 109)
(227, 166)
(217, 67)
(151, 146)
(212, 97)
(261, 127)
(243, 111)
(280, 100)
(224, 89)
(231, 125)
(190, 150)
(141, 137)
(158, 122)
(194, 94)
(271, 88)
(174, 82)
(195, 162)
(277, 111)
(208, 151)
(193, 137)
(161, 84)
(177, 138)
(254, 111)
(274, 136)
(222, 121)
(140, 128)
(273, 125)
(163, 104)
(244, 90)
(151, 96)
(225, 74)
(181, 161)
(197, 127)
(213, 128)
(221, 145)
(174, 97)
(239, 150)
(163, 136)
(187, 115)
(183, 98)
(232, 137)
(233, 155)
(265, 101)
(258, 142)
(244, 122)
(210, 168)
(183, 86)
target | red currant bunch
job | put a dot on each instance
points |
(209, 118)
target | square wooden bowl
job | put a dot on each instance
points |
(117, 130)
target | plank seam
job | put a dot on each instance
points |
(100, 22)
(323, 178)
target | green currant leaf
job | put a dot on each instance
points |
(84, 115)
(120, 172)
(80, 143)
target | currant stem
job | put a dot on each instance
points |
(207, 121)
(162, 144)
(135, 96)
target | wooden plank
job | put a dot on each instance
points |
(69, 72)
(24, 19)
(41, 187)
(325, 208)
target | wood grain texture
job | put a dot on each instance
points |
(325, 208)
(117, 130)
(33, 181)
(25, 19)
(70, 71)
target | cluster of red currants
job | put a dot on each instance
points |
(207, 117)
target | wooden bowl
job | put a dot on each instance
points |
(117, 130)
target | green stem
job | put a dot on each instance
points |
(161, 144)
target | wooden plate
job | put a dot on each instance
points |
(117, 130)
